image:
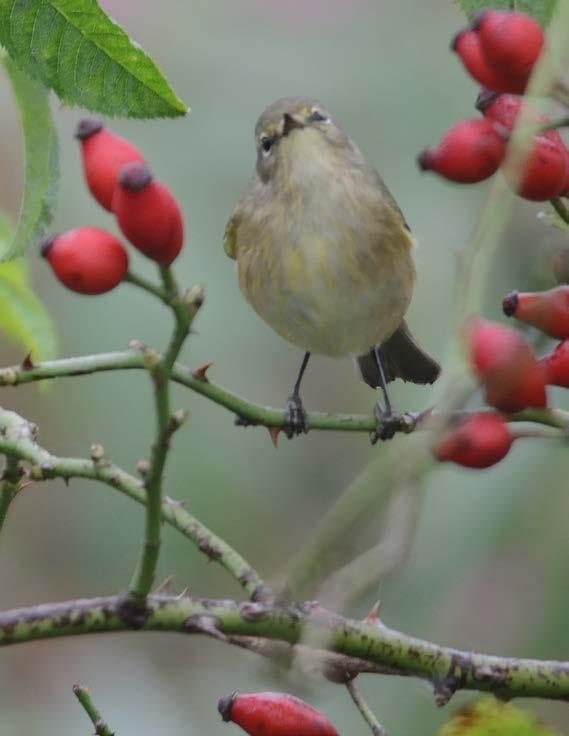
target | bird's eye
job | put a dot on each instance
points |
(318, 117)
(266, 144)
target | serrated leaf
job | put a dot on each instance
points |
(541, 10)
(22, 316)
(41, 160)
(490, 717)
(74, 48)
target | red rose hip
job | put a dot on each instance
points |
(148, 214)
(470, 151)
(546, 310)
(467, 46)
(545, 171)
(511, 376)
(510, 41)
(557, 366)
(274, 714)
(86, 260)
(103, 154)
(479, 441)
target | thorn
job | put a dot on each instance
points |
(203, 624)
(142, 467)
(97, 453)
(274, 432)
(183, 594)
(27, 363)
(164, 586)
(444, 689)
(195, 297)
(200, 373)
(23, 484)
(172, 502)
(373, 615)
(178, 418)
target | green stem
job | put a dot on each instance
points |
(369, 717)
(254, 413)
(9, 486)
(561, 209)
(161, 372)
(83, 696)
(446, 668)
(142, 283)
(17, 441)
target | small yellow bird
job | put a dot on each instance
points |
(324, 254)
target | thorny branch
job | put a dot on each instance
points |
(255, 414)
(449, 670)
(18, 441)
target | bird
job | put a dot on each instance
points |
(324, 254)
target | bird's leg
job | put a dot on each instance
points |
(295, 414)
(387, 421)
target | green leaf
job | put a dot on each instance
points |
(490, 717)
(541, 10)
(41, 160)
(73, 47)
(22, 316)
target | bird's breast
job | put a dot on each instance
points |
(327, 267)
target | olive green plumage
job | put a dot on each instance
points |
(323, 251)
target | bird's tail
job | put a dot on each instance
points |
(401, 357)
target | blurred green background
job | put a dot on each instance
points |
(487, 568)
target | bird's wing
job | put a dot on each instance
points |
(230, 235)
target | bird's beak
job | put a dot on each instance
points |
(290, 122)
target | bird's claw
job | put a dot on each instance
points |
(388, 424)
(295, 423)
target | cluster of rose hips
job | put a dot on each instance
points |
(511, 376)
(274, 714)
(89, 260)
(499, 50)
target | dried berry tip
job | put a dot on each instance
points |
(510, 303)
(225, 705)
(45, 245)
(456, 38)
(134, 177)
(485, 98)
(87, 127)
(477, 19)
(424, 160)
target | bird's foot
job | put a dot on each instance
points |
(388, 424)
(295, 422)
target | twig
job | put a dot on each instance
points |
(560, 208)
(17, 440)
(256, 414)
(145, 285)
(161, 371)
(83, 696)
(449, 670)
(11, 477)
(376, 727)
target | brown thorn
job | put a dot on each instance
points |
(22, 485)
(200, 373)
(274, 432)
(27, 363)
(373, 615)
(164, 586)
